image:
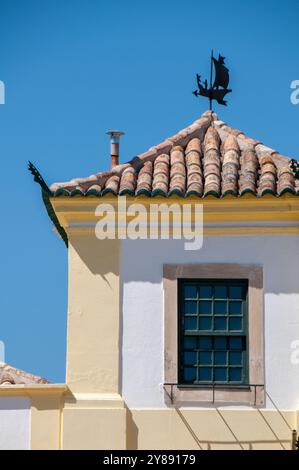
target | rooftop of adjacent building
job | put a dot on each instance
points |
(11, 376)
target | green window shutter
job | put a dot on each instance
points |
(213, 331)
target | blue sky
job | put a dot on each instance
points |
(74, 69)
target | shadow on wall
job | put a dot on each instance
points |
(196, 432)
(99, 256)
(14, 403)
(132, 431)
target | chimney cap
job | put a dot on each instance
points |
(115, 133)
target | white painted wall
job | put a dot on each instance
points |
(143, 322)
(14, 423)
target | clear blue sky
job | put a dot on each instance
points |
(74, 69)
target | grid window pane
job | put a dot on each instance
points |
(190, 342)
(205, 292)
(190, 292)
(235, 374)
(220, 307)
(220, 358)
(205, 342)
(189, 374)
(235, 324)
(205, 307)
(220, 323)
(190, 358)
(220, 292)
(236, 292)
(190, 307)
(235, 308)
(190, 323)
(235, 358)
(213, 331)
(235, 343)
(205, 358)
(220, 374)
(205, 323)
(219, 342)
(205, 374)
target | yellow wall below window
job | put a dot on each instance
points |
(214, 429)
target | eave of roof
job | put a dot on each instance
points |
(33, 389)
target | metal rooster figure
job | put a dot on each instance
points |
(217, 90)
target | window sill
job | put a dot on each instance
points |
(243, 394)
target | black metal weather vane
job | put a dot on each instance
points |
(217, 90)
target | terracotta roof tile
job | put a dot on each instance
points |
(249, 172)
(161, 174)
(286, 181)
(206, 158)
(112, 185)
(128, 182)
(230, 166)
(145, 177)
(267, 183)
(94, 190)
(193, 155)
(177, 183)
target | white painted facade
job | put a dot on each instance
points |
(14, 423)
(143, 318)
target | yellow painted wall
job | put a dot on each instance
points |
(93, 428)
(111, 426)
(204, 429)
(93, 315)
(108, 424)
(105, 423)
(46, 422)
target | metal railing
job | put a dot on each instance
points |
(212, 387)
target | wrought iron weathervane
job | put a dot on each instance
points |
(295, 167)
(217, 90)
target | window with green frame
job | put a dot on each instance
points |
(213, 331)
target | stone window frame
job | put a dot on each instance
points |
(204, 394)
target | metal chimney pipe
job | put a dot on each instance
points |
(114, 146)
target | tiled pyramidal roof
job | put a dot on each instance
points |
(206, 158)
